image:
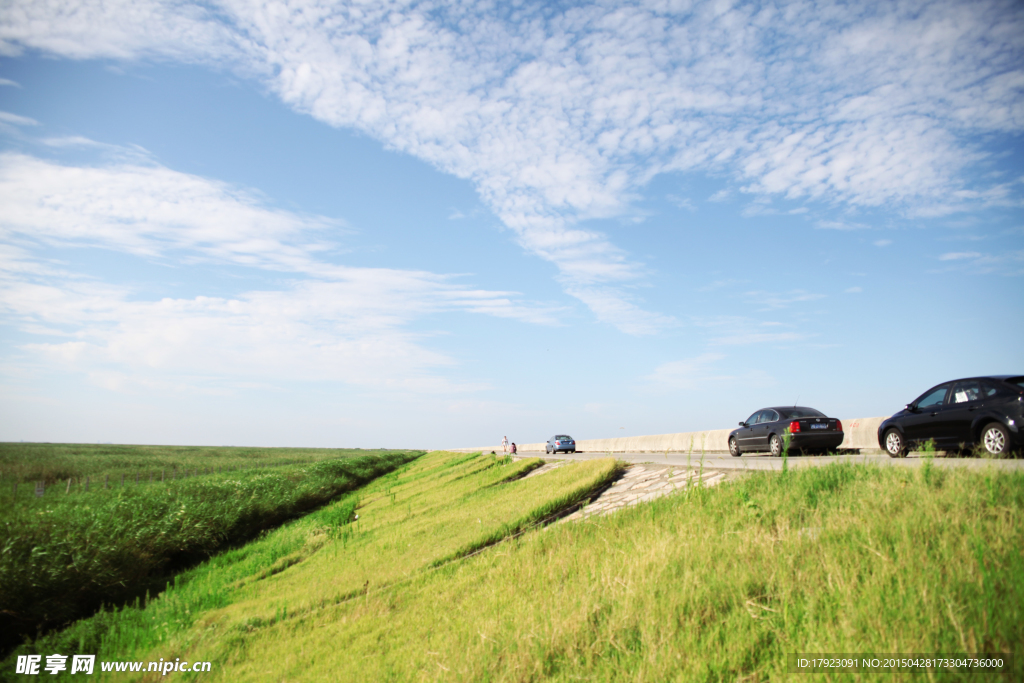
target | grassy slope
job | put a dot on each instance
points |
(64, 554)
(716, 586)
(719, 584)
(440, 507)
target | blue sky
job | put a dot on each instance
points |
(428, 224)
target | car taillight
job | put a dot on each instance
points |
(794, 427)
(839, 426)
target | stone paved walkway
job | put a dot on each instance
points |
(641, 483)
(638, 483)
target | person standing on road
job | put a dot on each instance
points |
(504, 444)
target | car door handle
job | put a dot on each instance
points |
(935, 413)
(972, 408)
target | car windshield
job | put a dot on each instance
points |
(1019, 381)
(790, 413)
(934, 397)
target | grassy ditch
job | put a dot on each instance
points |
(412, 522)
(63, 555)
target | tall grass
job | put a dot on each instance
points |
(55, 463)
(63, 555)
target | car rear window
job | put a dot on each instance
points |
(563, 437)
(800, 412)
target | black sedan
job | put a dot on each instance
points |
(560, 442)
(959, 415)
(766, 430)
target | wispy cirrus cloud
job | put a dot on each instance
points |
(561, 115)
(16, 120)
(702, 373)
(767, 301)
(731, 330)
(326, 322)
(1010, 262)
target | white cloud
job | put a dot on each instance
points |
(562, 115)
(151, 211)
(774, 300)
(853, 290)
(690, 373)
(682, 202)
(841, 225)
(328, 322)
(747, 338)
(741, 331)
(1005, 263)
(7, 81)
(14, 119)
(959, 255)
(882, 243)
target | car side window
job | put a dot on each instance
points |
(991, 389)
(933, 398)
(967, 391)
(769, 416)
(752, 420)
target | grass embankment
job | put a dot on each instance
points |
(63, 555)
(441, 507)
(717, 585)
(714, 585)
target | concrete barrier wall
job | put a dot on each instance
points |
(858, 433)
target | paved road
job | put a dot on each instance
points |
(723, 461)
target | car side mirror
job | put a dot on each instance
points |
(743, 424)
(910, 407)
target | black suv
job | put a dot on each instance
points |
(957, 415)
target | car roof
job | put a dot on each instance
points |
(962, 379)
(778, 408)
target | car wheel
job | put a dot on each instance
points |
(734, 448)
(995, 439)
(775, 444)
(894, 444)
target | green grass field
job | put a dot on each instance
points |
(715, 584)
(63, 555)
(55, 463)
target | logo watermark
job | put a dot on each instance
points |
(34, 665)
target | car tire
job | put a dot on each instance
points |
(775, 445)
(895, 445)
(995, 439)
(734, 448)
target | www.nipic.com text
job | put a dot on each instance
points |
(33, 665)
